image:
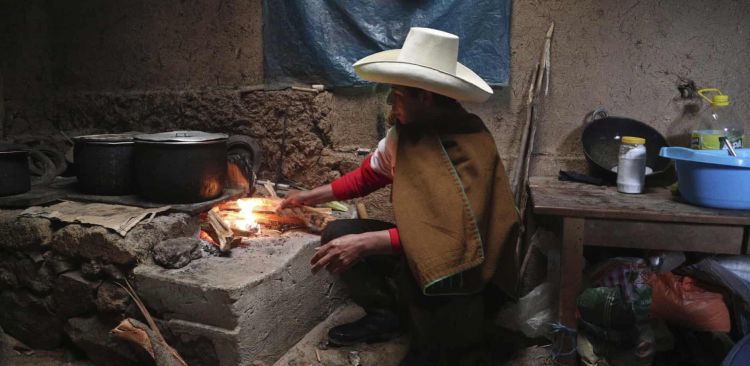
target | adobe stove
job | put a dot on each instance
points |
(227, 279)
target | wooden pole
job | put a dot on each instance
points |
(522, 194)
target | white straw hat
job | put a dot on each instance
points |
(428, 60)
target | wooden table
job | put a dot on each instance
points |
(601, 216)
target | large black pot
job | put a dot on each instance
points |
(181, 166)
(601, 144)
(14, 170)
(104, 163)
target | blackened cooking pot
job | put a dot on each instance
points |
(104, 163)
(601, 144)
(14, 170)
(180, 166)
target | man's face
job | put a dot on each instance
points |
(406, 104)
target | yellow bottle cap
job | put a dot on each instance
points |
(633, 140)
(719, 100)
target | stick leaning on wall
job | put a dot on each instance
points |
(521, 173)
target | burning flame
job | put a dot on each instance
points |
(247, 220)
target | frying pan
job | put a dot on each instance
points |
(601, 144)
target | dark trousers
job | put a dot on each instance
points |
(440, 323)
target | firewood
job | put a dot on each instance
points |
(136, 332)
(262, 204)
(264, 218)
(314, 220)
(270, 189)
(362, 211)
(266, 212)
(149, 337)
(220, 230)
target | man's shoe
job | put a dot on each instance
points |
(376, 326)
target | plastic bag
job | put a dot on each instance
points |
(615, 324)
(532, 314)
(712, 272)
(738, 264)
(627, 277)
(679, 300)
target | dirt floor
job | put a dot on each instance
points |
(43, 358)
(312, 350)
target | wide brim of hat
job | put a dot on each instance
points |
(384, 67)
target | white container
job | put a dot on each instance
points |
(631, 167)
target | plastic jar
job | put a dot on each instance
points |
(718, 119)
(631, 167)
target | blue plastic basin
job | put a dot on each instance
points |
(712, 178)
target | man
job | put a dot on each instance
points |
(453, 208)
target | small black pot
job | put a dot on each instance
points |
(181, 166)
(105, 163)
(14, 170)
(601, 144)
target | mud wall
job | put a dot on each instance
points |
(96, 66)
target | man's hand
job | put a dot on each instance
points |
(314, 196)
(341, 253)
(294, 199)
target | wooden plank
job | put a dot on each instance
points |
(553, 197)
(571, 267)
(720, 239)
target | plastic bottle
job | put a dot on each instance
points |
(681, 129)
(717, 120)
(631, 167)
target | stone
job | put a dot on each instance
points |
(59, 264)
(177, 253)
(92, 335)
(111, 298)
(252, 305)
(8, 278)
(41, 284)
(74, 295)
(91, 270)
(114, 273)
(96, 242)
(20, 271)
(195, 350)
(23, 233)
(30, 319)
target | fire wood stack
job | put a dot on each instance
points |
(226, 223)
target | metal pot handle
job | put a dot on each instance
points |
(596, 114)
(48, 168)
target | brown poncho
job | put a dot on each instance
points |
(453, 206)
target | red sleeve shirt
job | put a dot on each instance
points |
(360, 182)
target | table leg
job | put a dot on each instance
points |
(571, 267)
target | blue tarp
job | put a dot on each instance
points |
(317, 41)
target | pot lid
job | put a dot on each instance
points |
(182, 136)
(110, 137)
(10, 148)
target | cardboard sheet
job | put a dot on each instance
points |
(119, 218)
